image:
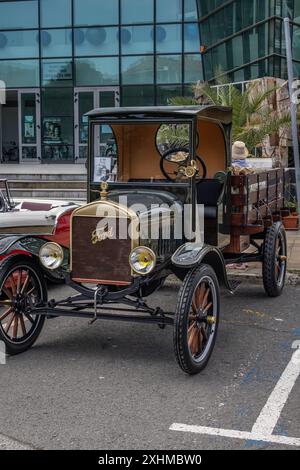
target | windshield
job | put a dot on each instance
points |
(133, 151)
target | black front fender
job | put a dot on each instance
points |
(190, 255)
(13, 245)
(7, 243)
(22, 244)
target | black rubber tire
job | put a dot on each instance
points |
(272, 287)
(184, 358)
(13, 348)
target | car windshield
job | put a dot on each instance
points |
(132, 151)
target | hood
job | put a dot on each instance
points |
(31, 223)
(144, 200)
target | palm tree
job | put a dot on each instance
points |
(252, 116)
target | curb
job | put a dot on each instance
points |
(292, 279)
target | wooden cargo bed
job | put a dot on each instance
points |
(256, 202)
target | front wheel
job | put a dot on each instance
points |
(275, 260)
(22, 287)
(197, 319)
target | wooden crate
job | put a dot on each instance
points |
(256, 201)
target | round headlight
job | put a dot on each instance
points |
(51, 256)
(142, 260)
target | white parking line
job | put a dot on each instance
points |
(6, 443)
(289, 441)
(270, 414)
(267, 419)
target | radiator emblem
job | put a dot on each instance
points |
(102, 233)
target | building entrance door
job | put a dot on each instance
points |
(86, 99)
(9, 128)
(29, 104)
(20, 127)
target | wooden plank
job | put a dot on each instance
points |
(244, 199)
(263, 194)
(272, 193)
(238, 199)
(262, 177)
(280, 203)
(238, 180)
(238, 219)
(248, 229)
(252, 179)
(252, 216)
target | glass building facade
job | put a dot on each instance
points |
(245, 38)
(60, 58)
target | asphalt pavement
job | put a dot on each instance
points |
(117, 385)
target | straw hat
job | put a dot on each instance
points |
(239, 151)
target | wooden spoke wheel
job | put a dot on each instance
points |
(22, 288)
(197, 319)
(275, 260)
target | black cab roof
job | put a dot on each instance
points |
(218, 113)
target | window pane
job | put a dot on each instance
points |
(188, 91)
(193, 68)
(57, 72)
(172, 136)
(248, 14)
(90, 12)
(219, 57)
(239, 75)
(97, 71)
(137, 11)
(217, 26)
(169, 69)
(169, 10)
(138, 96)
(18, 15)
(20, 73)
(137, 70)
(56, 13)
(56, 43)
(165, 93)
(190, 10)
(96, 41)
(296, 66)
(229, 21)
(237, 45)
(107, 99)
(168, 38)
(137, 39)
(85, 104)
(296, 43)
(262, 10)
(191, 37)
(28, 114)
(105, 156)
(297, 12)
(57, 124)
(19, 44)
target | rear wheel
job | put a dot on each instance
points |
(197, 319)
(22, 288)
(275, 260)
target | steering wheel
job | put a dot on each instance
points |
(182, 168)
